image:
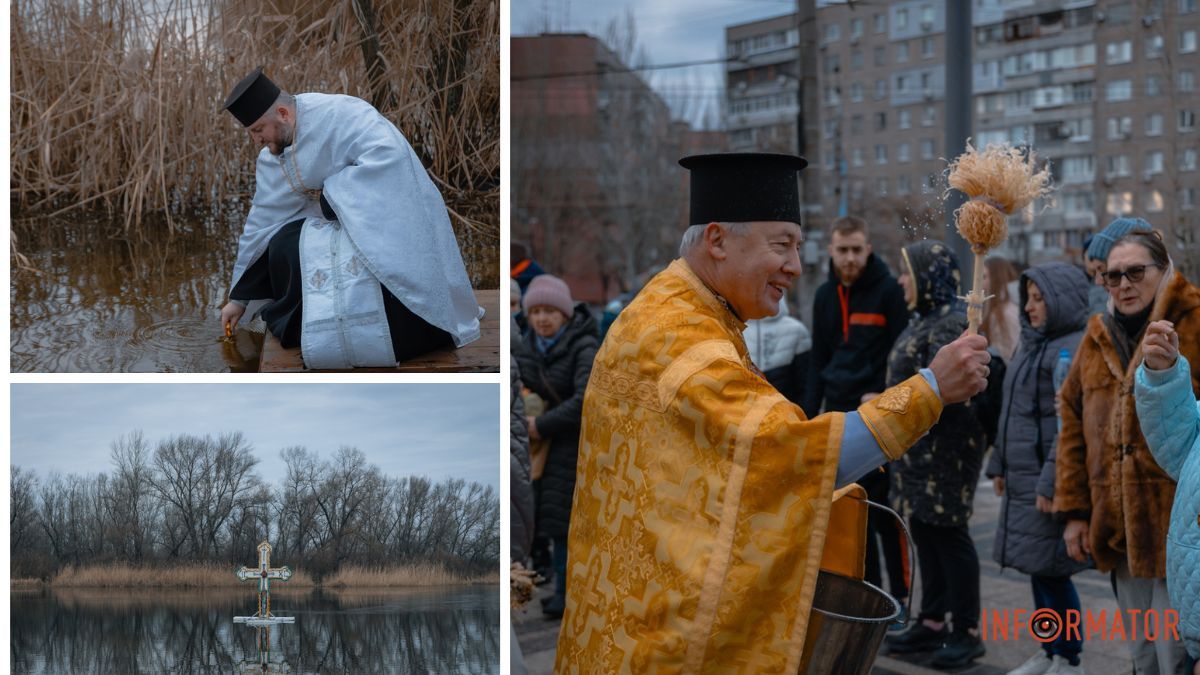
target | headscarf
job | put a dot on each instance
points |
(935, 275)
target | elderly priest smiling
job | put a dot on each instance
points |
(703, 494)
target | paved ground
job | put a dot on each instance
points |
(1000, 590)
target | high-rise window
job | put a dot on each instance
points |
(1118, 52)
(1187, 120)
(1153, 162)
(1187, 41)
(1154, 124)
(1187, 159)
(1119, 90)
(1154, 46)
(1185, 81)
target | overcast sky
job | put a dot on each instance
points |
(440, 431)
(670, 31)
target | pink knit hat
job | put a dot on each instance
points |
(549, 291)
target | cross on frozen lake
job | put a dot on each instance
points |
(264, 573)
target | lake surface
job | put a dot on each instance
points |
(92, 631)
(104, 303)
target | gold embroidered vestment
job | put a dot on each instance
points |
(702, 495)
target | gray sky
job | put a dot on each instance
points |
(436, 430)
(670, 31)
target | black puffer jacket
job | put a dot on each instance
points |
(934, 482)
(1028, 539)
(560, 376)
(520, 485)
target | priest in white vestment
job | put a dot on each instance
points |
(347, 251)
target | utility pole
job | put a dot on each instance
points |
(958, 90)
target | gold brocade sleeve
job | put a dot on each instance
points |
(902, 415)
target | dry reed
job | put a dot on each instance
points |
(116, 104)
(25, 584)
(999, 180)
(184, 575)
(422, 574)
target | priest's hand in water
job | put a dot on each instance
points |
(230, 314)
(961, 368)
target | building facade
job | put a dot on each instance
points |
(1105, 91)
(595, 189)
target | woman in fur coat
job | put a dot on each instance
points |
(1115, 497)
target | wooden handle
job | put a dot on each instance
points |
(976, 298)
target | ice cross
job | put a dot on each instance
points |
(264, 573)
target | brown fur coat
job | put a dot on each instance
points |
(1103, 466)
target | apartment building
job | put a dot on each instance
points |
(771, 89)
(1035, 84)
(882, 92)
(595, 189)
(1146, 104)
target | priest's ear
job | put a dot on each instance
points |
(716, 240)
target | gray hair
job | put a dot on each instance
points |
(284, 99)
(695, 233)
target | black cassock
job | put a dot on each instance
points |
(276, 275)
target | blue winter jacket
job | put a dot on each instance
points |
(1170, 419)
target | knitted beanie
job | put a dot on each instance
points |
(550, 291)
(1103, 242)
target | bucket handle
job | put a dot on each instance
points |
(912, 550)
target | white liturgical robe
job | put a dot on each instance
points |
(392, 227)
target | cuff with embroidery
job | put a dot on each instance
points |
(902, 415)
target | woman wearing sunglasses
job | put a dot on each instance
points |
(1115, 497)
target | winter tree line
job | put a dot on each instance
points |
(198, 499)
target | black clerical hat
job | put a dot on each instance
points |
(741, 187)
(252, 97)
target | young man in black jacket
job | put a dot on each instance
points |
(857, 315)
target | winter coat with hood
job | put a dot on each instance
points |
(1026, 538)
(934, 482)
(779, 346)
(1104, 472)
(853, 330)
(560, 377)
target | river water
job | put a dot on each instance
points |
(98, 301)
(92, 631)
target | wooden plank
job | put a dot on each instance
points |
(481, 356)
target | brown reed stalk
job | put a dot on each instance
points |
(183, 575)
(116, 104)
(421, 574)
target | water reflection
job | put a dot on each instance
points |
(92, 632)
(102, 302)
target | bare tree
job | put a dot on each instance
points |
(133, 512)
(22, 509)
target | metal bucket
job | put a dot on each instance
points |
(849, 620)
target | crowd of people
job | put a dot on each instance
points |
(1088, 428)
